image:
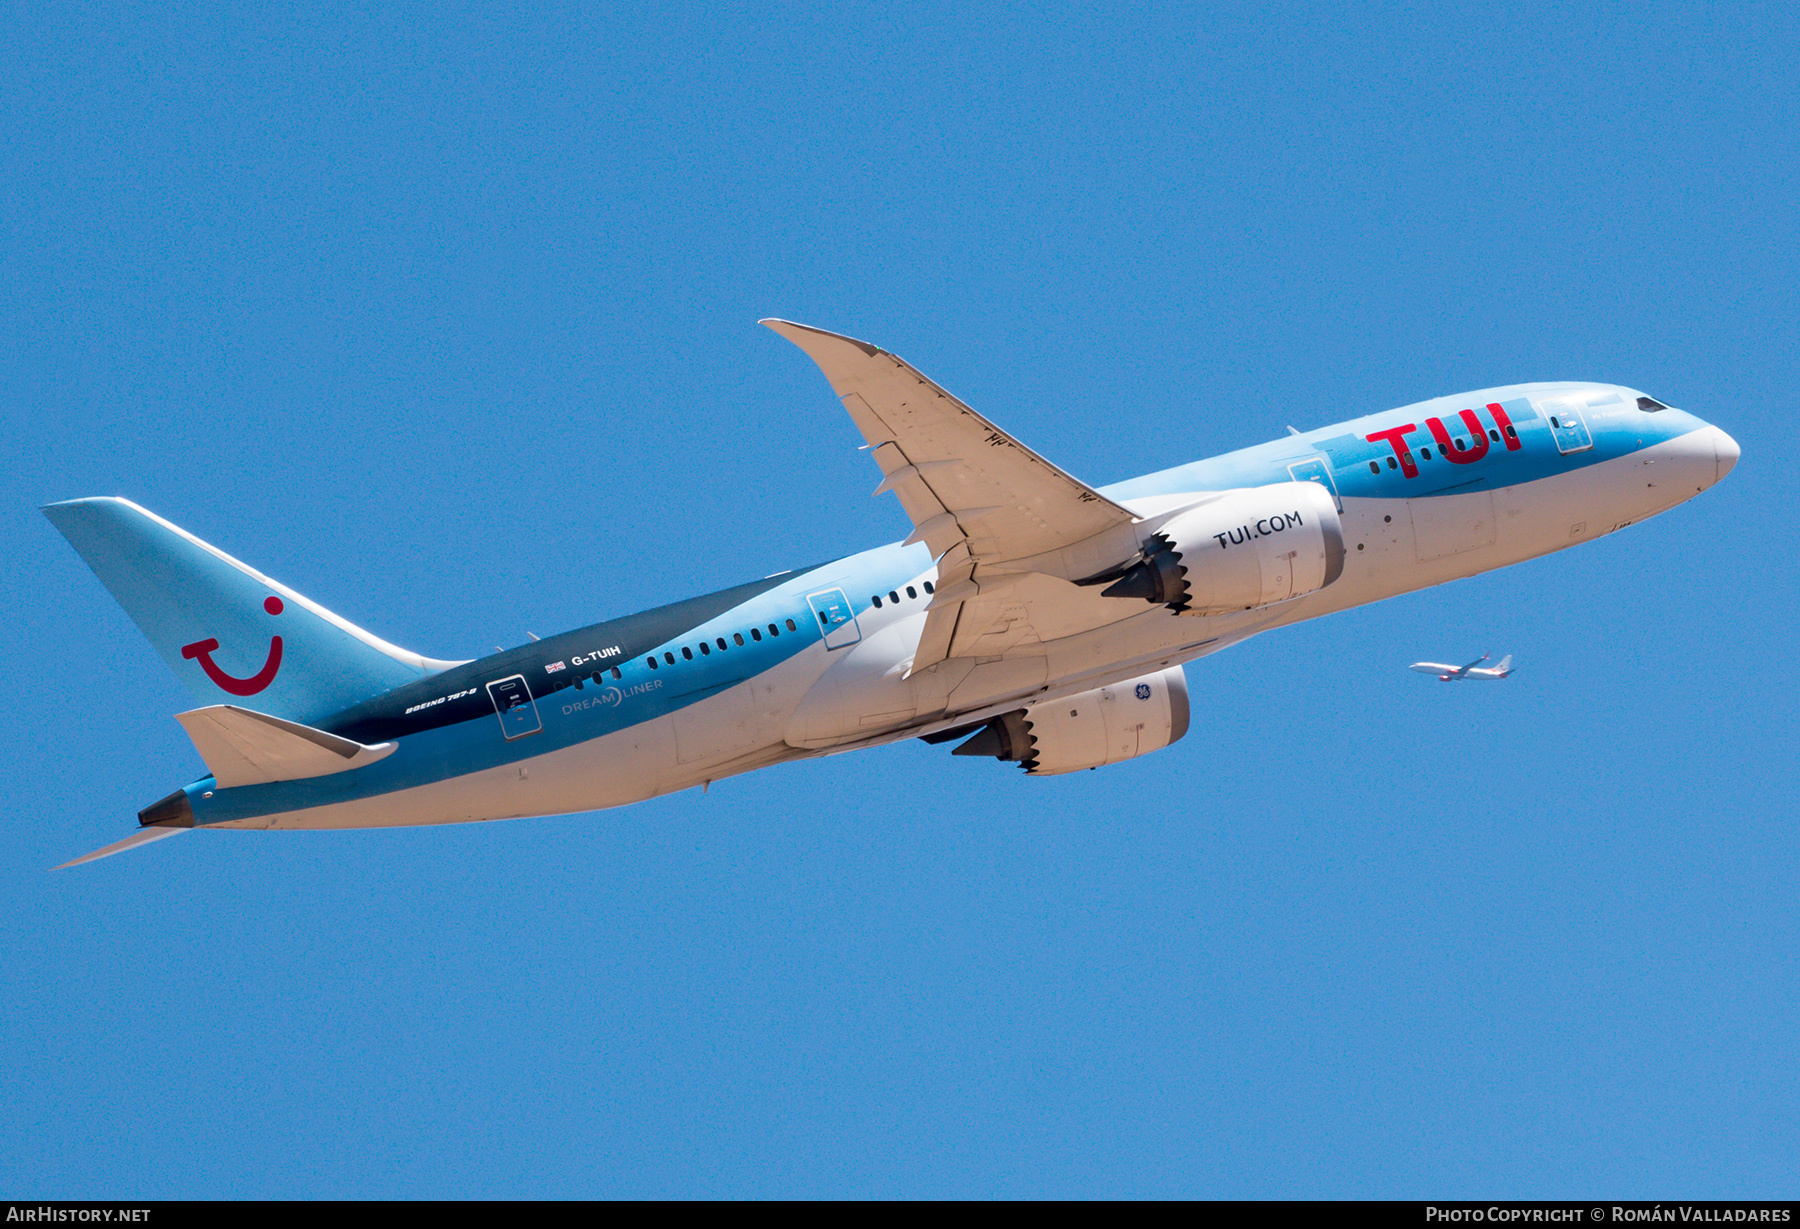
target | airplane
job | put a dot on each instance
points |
(1455, 674)
(1028, 616)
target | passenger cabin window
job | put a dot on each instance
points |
(705, 649)
(723, 646)
(616, 674)
(775, 631)
(791, 626)
(1512, 432)
(670, 657)
(756, 633)
(928, 587)
(687, 654)
(1493, 435)
(911, 592)
(893, 597)
(876, 600)
(652, 660)
(1554, 423)
(739, 638)
(1374, 467)
(1426, 453)
(1391, 464)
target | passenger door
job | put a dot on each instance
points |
(514, 706)
(836, 620)
(1567, 425)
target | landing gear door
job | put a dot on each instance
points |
(832, 609)
(516, 709)
(1317, 471)
(1566, 425)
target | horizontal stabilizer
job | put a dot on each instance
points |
(143, 836)
(242, 747)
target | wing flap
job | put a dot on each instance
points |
(955, 568)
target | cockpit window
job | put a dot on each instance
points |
(1650, 405)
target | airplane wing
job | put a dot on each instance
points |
(976, 496)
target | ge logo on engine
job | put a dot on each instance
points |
(1143, 691)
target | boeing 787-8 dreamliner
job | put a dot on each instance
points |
(1040, 620)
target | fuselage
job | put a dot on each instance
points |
(817, 660)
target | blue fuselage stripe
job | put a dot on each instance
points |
(642, 694)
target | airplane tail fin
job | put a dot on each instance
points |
(1505, 666)
(227, 630)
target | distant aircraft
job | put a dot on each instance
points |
(1454, 674)
(1027, 615)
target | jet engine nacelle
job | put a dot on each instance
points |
(1102, 726)
(1241, 550)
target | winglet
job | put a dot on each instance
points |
(813, 340)
(143, 836)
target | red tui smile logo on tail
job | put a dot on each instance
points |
(203, 650)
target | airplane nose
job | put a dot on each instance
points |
(1701, 457)
(1725, 453)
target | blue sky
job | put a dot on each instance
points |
(445, 317)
